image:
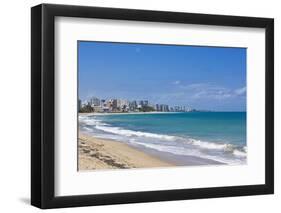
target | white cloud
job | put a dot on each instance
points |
(210, 91)
(240, 91)
(195, 86)
(176, 82)
(197, 92)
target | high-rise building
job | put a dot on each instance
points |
(164, 108)
(157, 107)
(133, 105)
(109, 104)
(177, 108)
(115, 104)
(120, 105)
(95, 101)
(103, 103)
(141, 103)
(124, 105)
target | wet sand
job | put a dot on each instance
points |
(95, 153)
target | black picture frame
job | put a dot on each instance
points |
(43, 110)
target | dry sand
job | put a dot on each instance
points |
(95, 153)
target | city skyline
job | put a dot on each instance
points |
(207, 78)
(95, 104)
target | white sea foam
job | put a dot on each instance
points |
(128, 133)
(91, 121)
(191, 152)
(211, 145)
(220, 152)
(239, 153)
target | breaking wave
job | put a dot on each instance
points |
(222, 152)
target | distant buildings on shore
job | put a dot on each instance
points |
(95, 104)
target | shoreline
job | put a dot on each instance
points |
(96, 153)
(124, 113)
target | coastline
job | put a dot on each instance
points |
(123, 113)
(96, 153)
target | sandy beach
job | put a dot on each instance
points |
(95, 153)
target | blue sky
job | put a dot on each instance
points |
(208, 78)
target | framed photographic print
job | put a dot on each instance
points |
(140, 106)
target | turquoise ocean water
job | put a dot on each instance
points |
(217, 136)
